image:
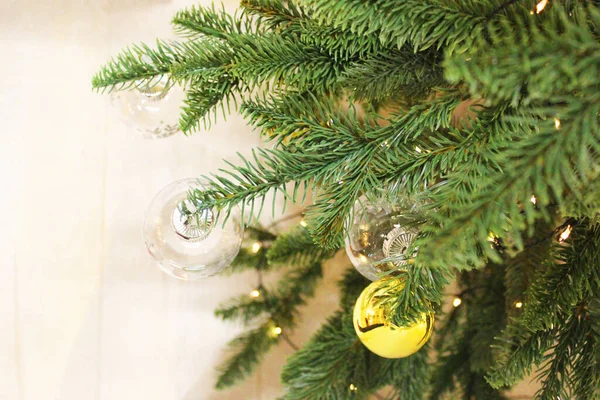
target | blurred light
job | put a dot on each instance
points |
(556, 123)
(303, 223)
(533, 199)
(457, 302)
(565, 234)
(255, 293)
(256, 247)
(539, 7)
(276, 331)
(418, 149)
(518, 304)
(363, 258)
(353, 388)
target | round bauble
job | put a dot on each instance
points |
(186, 240)
(378, 230)
(373, 324)
(152, 109)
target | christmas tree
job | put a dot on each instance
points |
(481, 118)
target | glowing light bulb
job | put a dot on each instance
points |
(556, 123)
(565, 234)
(303, 223)
(457, 302)
(276, 331)
(539, 7)
(256, 247)
(533, 199)
(518, 304)
(255, 293)
(353, 388)
(418, 149)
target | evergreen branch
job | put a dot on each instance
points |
(288, 19)
(243, 308)
(249, 350)
(410, 376)
(286, 62)
(273, 15)
(571, 275)
(351, 286)
(572, 369)
(247, 259)
(389, 74)
(520, 270)
(206, 62)
(549, 164)
(203, 21)
(416, 292)
(358, 161)
(136, 65)
(282, 307)
(563, 318)
(326, 366)
(558, 55)
(201, 106)
(516, 358)
(296, 247)
(464, 343)
(419, 23)
(293, 291)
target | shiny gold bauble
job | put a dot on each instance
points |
(374, 327)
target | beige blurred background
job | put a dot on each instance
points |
(84, 313)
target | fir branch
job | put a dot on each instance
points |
(536, 60)
(572, 369)
(563, 318)
(136, 65)
(247, 259)
(281, 305)
(422, 24)
(243, 308)
(517, 357)
(296, 247)
(394, 73)
(464, 344)
(549, 164)
(570, 276)
(326, 366)
(198, 21)
(520, 269)
(410, 376)
(286, 62)
(201, 106)
(249, 349)
(273, 15)
(351, 286)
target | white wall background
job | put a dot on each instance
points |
(84, 313)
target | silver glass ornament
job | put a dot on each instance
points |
(378, 230)
(188, 241)
(152, 108)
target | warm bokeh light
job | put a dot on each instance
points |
(256, 247)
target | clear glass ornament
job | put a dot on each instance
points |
(380, 229)
(152, 108)
(186, 240)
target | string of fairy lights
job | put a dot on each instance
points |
(563, 232)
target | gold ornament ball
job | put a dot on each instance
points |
(374, 327)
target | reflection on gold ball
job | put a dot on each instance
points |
(374, 327)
